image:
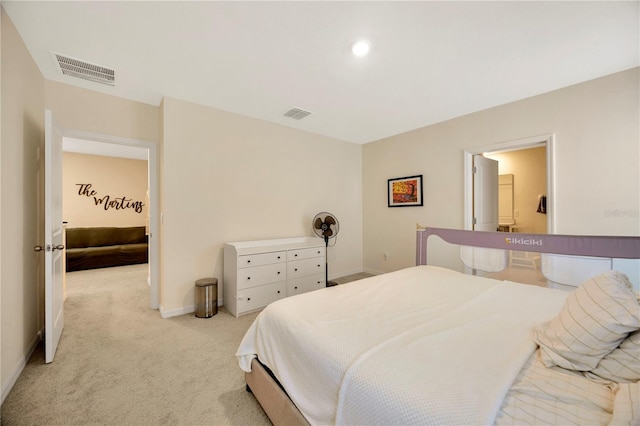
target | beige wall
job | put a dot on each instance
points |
(274, 181)
(225, 177)
(22, 141)
(25, 95)
(529, 170)
(232, 178)
(110, 177)
(88, 111)
(597, 172)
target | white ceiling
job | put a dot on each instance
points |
(429, 61)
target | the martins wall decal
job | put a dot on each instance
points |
(108, 202)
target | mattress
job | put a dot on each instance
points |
(416, 346)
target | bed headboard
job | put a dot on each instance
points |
(601, 252)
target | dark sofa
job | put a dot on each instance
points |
(91, 248)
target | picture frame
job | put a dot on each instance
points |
(405, 191)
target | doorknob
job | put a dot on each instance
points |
(48, 248)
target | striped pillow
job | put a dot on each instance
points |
(623, 364)
(595, 318)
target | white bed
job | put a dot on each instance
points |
(427, 345)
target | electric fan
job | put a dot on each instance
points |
(326, 226)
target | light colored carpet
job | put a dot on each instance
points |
(350, 278)
(119, 363)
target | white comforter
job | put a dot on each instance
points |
(423, 345)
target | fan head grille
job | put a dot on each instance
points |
(326, 225)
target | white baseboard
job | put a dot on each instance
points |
(15, 374)
(181, 311)
(177, 311)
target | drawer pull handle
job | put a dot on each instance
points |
(278, 272)
(295, 288)
(248, 278)
(296, 270)
(278, 257)
(249, 261)
(278, 291)
(248, 298)
(295, 255)
(318, 266)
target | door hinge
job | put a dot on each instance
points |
(474, 170)
(474, 221)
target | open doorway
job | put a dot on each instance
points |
(532, 197)
(522, 189)
(138, 161)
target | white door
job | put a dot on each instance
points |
(53, 237)
(485, 194)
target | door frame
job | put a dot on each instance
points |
(154, 206)
(546, 140)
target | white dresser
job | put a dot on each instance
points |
(257, 273)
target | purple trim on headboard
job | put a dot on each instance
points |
(575, 245)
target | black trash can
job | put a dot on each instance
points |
(206, 297)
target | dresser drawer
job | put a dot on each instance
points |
(305, 284)
(250, 260)
(259, 297)
(305, 253)
(259, 275)
(303, 268)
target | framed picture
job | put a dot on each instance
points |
(405, 191)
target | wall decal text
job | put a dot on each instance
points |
(108, 202)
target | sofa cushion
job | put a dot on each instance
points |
(91, 258)
(104, 236)
(103, 247)
(129, 254)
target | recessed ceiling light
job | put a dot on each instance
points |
(360, 48)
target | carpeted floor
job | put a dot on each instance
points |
(119, 363)
(349, 278)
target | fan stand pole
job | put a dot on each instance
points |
(326, 261)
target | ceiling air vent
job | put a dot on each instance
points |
(296, 113)
(84, 70)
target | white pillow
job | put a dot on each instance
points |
(594, 320)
